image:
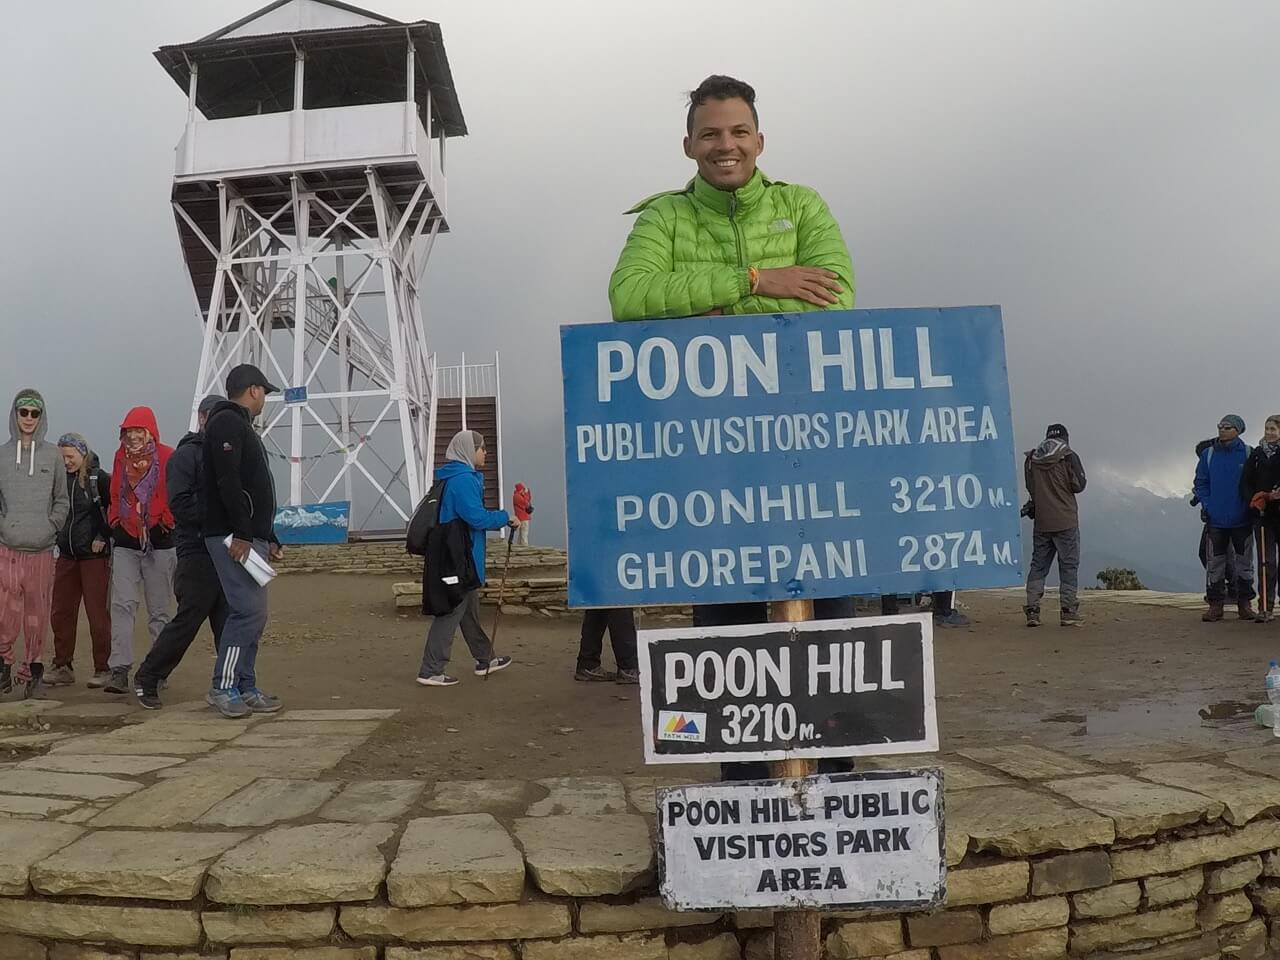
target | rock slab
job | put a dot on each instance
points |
(464, 858)
(24, 844)
(587, 856)
(166, 865)
(269, 801)
(320, 863)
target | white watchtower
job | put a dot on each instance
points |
(309, 189)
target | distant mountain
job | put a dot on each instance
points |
(1128, 526)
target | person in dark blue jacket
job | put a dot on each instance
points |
(1217, 485)
(463, 498)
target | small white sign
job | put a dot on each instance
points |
(845, 841)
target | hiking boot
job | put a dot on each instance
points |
(1264, 616)
(1244, 609)
(119, 682)
(1033, 618)
(1214, 613)
(1071, 618)
(228, 703)
(439, 680)
(34, 687)
(594, 675)
(629, 677)
(953, 619)
(486, 667)
(260, 702)
(99, 679)
(148, 698)
(60, 677)
(6, 678)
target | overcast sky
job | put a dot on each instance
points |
(1107, 172)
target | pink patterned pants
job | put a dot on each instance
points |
(26, 596)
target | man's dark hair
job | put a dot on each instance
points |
(717, 87)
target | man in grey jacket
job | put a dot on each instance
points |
(1054, 476)
(33, 507)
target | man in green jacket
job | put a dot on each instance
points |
(732, 241)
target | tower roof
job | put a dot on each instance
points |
(267, 38)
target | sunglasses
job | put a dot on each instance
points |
(29, 413)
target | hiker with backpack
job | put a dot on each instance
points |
(453, 571)
(1217, 485)
(83, 568)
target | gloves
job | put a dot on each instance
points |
(1028, 510)
(1260, 500)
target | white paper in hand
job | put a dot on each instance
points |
(261, 571)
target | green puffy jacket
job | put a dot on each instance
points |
(689, 250)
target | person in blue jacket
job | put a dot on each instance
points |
(1217, 486)
(464, 497)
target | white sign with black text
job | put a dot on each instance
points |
(846, 841)
(773, 691)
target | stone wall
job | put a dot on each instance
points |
(381, 558)
(1050, 856)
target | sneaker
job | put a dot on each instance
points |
(147, 698)
(60, 677)
(595, 675)
(33, 689)
(486, 667)
(1264, 616)
(1071, 618)
(1214, 613)
(439, 680)
(228, 703)
(119, 682)
(1033, 618)
(260, 702)
(629, 676)
(953, 619)
(99, 680)
(6, 678)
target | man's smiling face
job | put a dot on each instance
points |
(724, 142)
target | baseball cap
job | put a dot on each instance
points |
(209, 402)
(246, 375)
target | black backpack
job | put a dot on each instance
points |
(425, 519)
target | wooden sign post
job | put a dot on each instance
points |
(797, 934)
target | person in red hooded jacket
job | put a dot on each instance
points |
(143, 554)
(522, 504)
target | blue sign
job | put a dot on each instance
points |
(295, 395)
(825, 454)
(314, 523)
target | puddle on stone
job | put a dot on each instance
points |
(1161, 717)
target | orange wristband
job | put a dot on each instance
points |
(754, 275)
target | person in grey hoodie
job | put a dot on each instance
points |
(33, 507)
(1054, 476)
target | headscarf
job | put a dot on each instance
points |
(78, 443)
(141, 474)
(463, 447)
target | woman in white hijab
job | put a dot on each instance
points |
(463, 498)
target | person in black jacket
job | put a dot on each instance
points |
(196, 583)
(1260, 485)
(83, 567)
(240, 504)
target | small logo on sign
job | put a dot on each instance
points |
(682, 726)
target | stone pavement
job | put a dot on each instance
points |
(182, 835)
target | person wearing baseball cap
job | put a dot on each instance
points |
(1217, 486)
(239, 503)
(195, 583)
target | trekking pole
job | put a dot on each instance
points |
(1262, 568)
(502, 589)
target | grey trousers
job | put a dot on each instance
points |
(131, 570)
(236, 665)
(440, 637)
(1220, 540)
(1065, 545)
